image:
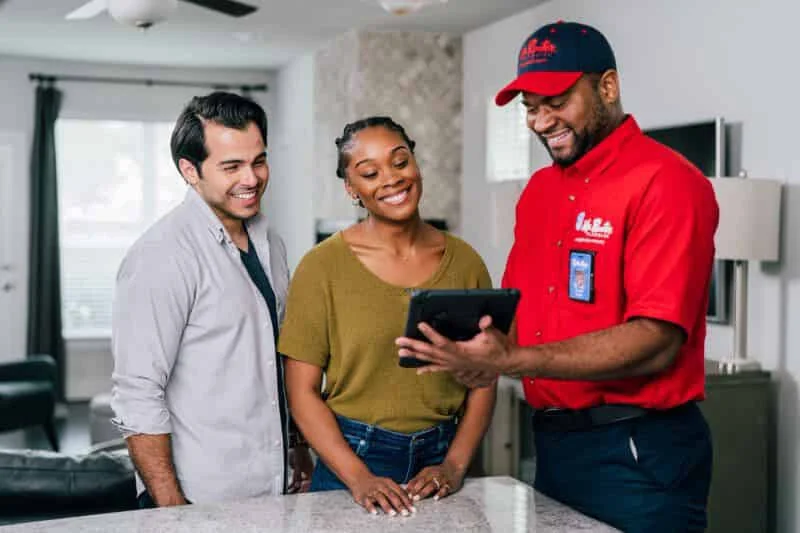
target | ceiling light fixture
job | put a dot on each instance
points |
(141, 13)
(404, 7)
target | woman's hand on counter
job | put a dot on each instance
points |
(373, 493)
(437, 481)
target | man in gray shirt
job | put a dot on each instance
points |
(198, 386)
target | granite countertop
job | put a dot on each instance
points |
(485, 505)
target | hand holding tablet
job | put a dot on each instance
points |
(455, 314)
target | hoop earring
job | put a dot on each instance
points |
(356, 201)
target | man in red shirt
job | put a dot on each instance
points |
(613, 249)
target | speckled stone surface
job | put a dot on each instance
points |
(490, 505)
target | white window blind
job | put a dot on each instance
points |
(513, 152)
(115, 179)
(508, 155)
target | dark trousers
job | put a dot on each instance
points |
(650, 474)
(398, 456)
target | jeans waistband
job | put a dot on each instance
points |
(363, 430)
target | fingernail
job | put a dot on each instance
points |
(404, 512)
(392, 513)
(373, 512)
(414, 509)
(416, 497)
(436, 498)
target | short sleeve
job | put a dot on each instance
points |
(484, 279)
(304, 334)
(669, 249)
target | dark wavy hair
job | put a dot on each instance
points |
(344, 142)
(188, 139)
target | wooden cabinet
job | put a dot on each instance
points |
(738, 411)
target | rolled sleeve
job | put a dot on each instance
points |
(151, 308)
(670, 249)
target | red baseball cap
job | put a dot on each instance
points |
(555, 56)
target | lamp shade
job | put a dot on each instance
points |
(749, 218)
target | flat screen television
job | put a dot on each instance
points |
(703, 144)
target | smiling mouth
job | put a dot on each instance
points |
(245, 195)
(558, 140)
(398, 198)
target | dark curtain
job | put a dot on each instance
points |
(44, 287)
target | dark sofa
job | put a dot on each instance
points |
(40, 485)
(27, 395)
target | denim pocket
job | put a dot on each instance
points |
(357, 443)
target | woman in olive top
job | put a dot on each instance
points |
(384, 432)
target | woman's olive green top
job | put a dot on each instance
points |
(343, 318)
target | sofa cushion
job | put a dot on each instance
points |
(24, 403)
(51, 483)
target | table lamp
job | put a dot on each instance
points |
(749, 230)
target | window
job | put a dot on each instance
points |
(508, 154)
(512, 151)
(114, 180)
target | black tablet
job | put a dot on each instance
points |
(455, 313)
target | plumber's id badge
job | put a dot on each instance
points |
(581, 276)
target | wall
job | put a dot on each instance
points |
(291, 156)
(683, 61)
(88, 360)
(415, 78)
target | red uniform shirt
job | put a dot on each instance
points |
(649, 218)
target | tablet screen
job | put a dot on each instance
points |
(455, 313)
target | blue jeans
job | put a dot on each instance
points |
(646, 475)
(398, 456)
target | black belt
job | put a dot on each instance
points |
(582, 419)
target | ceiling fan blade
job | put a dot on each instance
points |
(228, 7)
(88, 10)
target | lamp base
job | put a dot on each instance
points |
(737, 366)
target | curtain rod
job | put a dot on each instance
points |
(52, 78)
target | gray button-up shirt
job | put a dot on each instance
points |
(194, 353)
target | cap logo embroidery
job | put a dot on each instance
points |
(536, 52)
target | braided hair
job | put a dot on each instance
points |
(344, 142)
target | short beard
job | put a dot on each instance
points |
(600, 125)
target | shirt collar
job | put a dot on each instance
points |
(601, 156)
(196, 203)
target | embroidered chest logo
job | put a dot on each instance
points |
(594, 229)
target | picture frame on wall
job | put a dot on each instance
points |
(703, 144)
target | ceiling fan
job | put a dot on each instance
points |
(145, 13)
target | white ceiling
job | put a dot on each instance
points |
(277, 32)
